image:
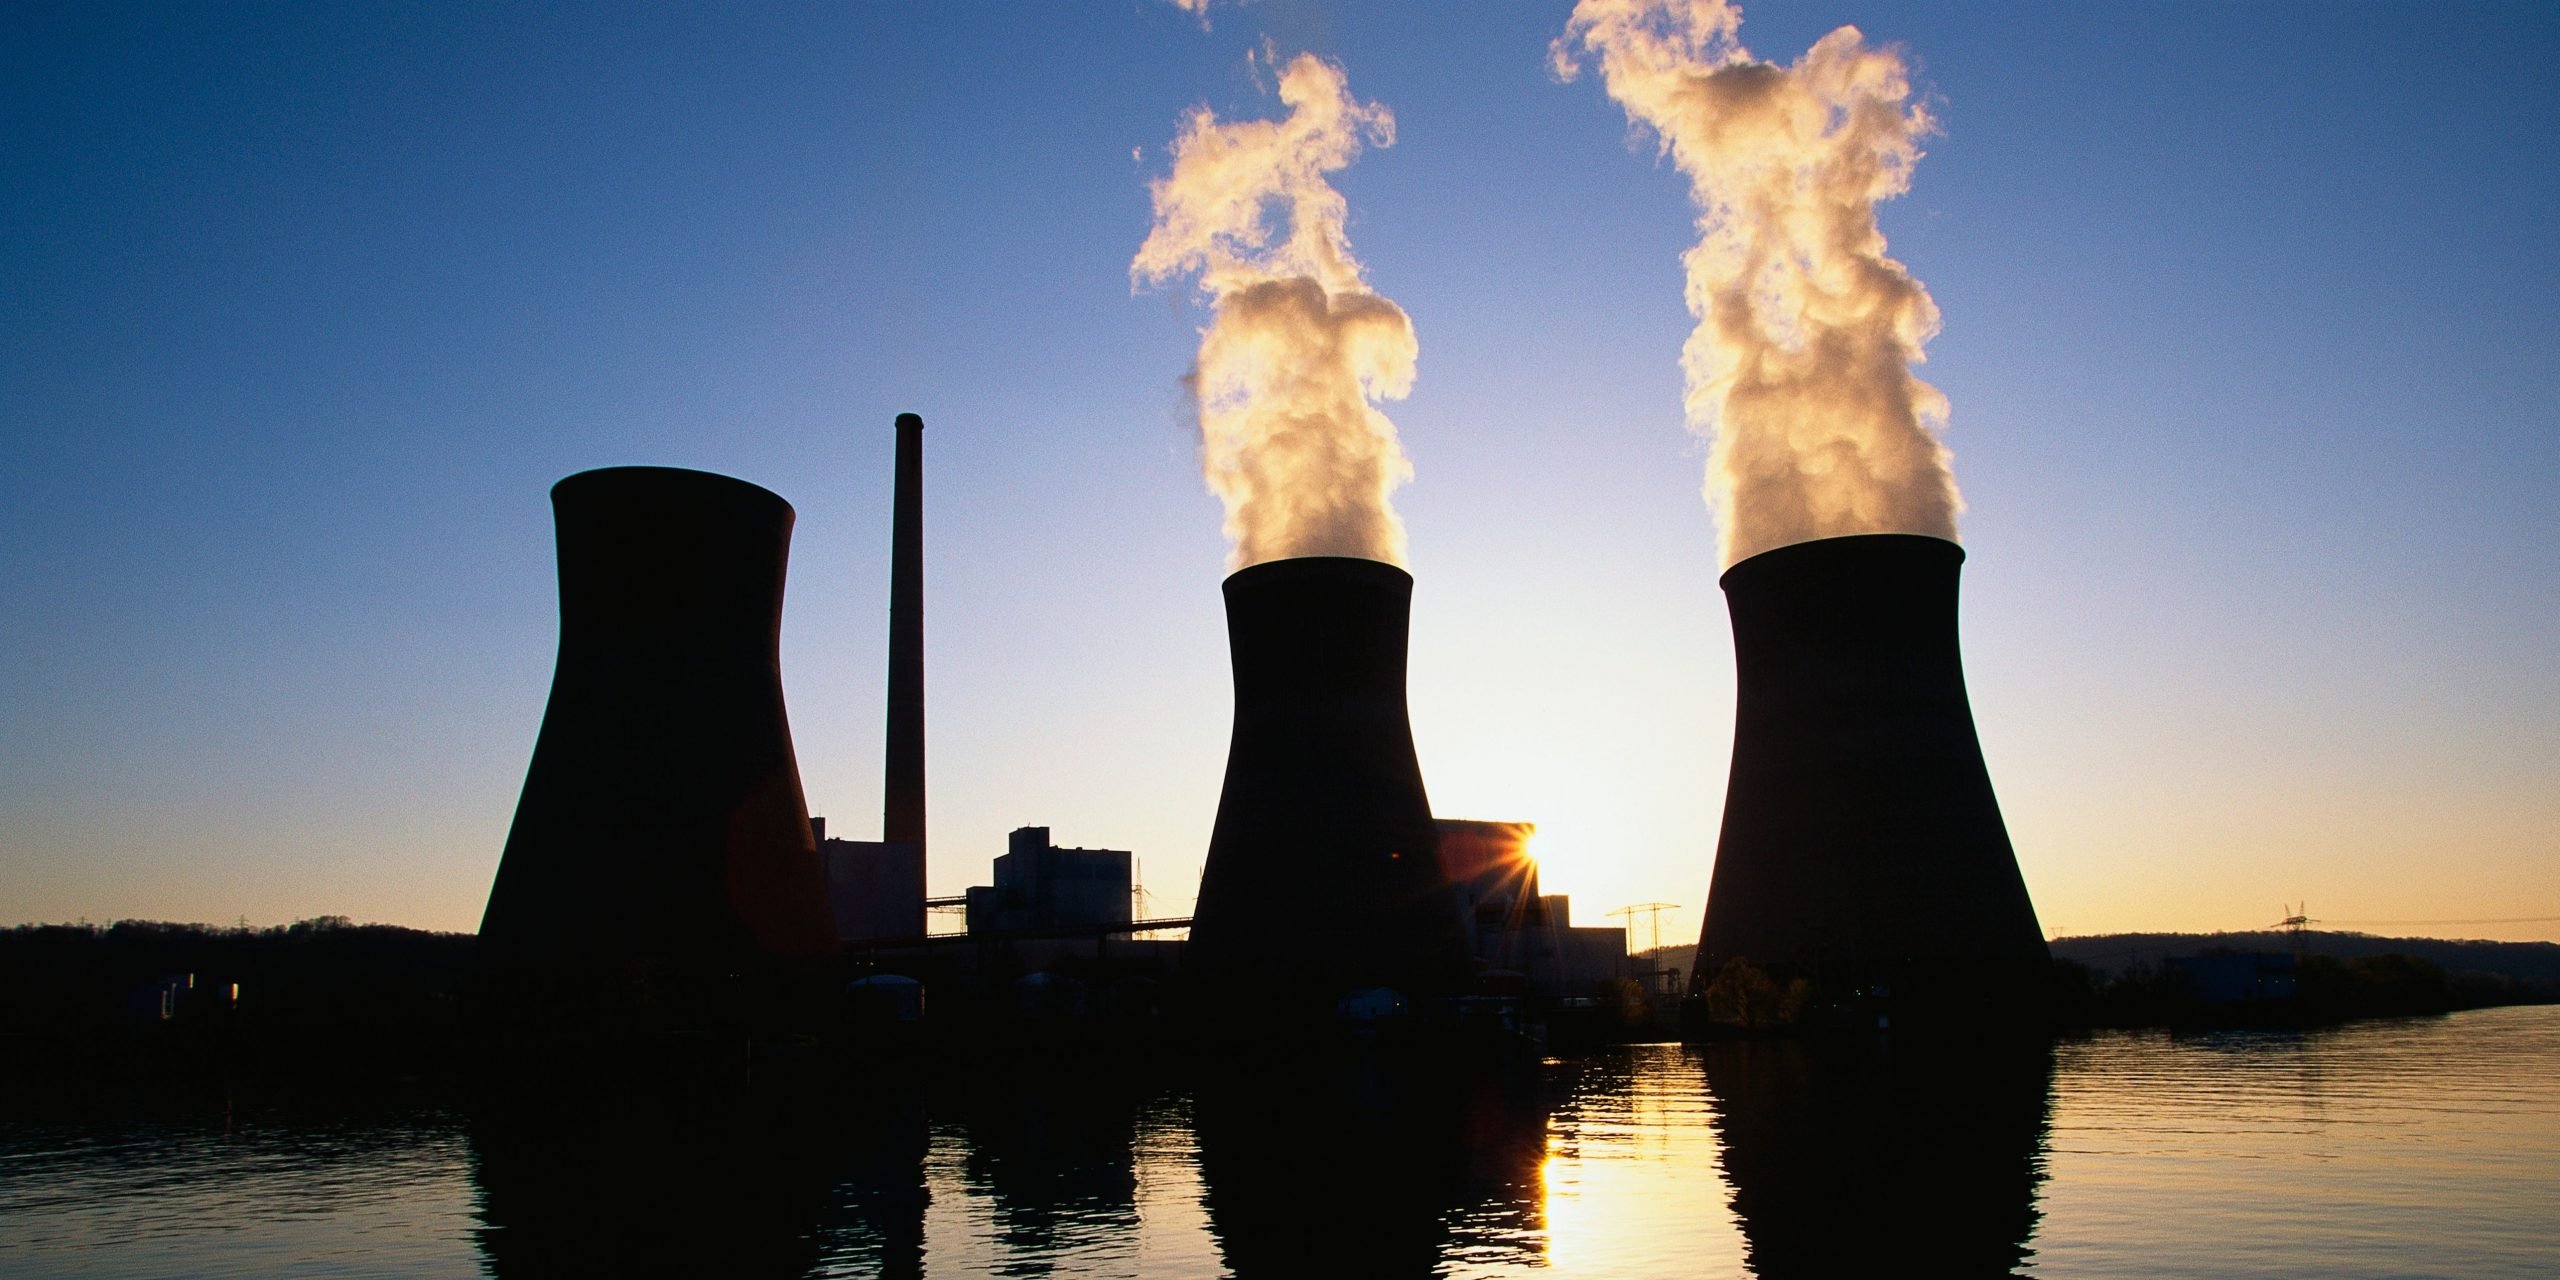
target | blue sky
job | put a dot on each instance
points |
(2249, 334)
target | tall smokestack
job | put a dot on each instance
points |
(1322, 876)
(661, 849)
(902, 821)
(1862, 845)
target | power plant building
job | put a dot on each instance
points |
(1040, 887)
(1586, 956)
(875, 888)
(1513, 928)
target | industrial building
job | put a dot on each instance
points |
(1516, 931)
(875, 888)
(663, 827)
(1041, 887)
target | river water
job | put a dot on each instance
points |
(2419, 1147)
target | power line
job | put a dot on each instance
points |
(2479, 920)
(1653, 912)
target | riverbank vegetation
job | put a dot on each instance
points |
(314, 996)
(328, 995)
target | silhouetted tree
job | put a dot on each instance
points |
(1742, 995)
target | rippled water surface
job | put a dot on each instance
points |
(2423, 1147)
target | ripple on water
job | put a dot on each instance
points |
(2425, 1146)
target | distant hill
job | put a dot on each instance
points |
(1677, 959)
(2112, 953)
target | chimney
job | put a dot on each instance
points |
(902, 821)
(1862, 845)
(662, 835)
(1322, 876)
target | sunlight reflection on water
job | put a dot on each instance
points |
(2427, 1146)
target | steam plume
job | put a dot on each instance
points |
(1799, 371)
(1297, 346)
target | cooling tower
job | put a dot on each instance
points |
(661, 872)
(1322, 876)
(1862, 846)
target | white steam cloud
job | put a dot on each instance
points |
(1799, 371)
(1297, 348)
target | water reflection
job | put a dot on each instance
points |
(181, 1182)
(875, 1222)
(1847, 1159)
(1055, 1151)
(1838, 1158)
(674, 1177)
(1372, 1167)
(2420, 1146)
